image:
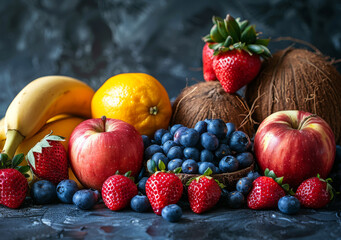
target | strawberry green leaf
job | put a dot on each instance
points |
(189, 181)
(243, 24)
(177, 170)
(215, 35)
(272, 174)
(266, 53)
(228, 41)
(151, 166)
(117, 172)
(162, 165)
(26, 175)
(208, 172)
(216, 19)
(279, 180)
(127, 174)
(257, 49)
(266, 172)
(17, 159)
(233, 27)
(232, 31)
(23, 169)
(221, 185)
(207, 38)
(249, 35)
(263, 42)
(55, 138)
(222, 29)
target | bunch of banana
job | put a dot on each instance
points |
(38, 102)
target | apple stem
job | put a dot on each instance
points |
(305, 120)
(104, 119)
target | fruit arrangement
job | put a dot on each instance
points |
(196, 153)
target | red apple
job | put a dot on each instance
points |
(100, 147)
(296, 145)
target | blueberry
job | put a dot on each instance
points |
(190, 166)
(146, 141)
(206, 156)
(152, 167)
(222, 151)
(160, 156)
(239, 141)
(174, 164)
(209, 141)
(167, 145)
(217, 127)
(192, 153)
(228, 164)
(207, 120)
(141, 185)
(253, 175)
(175, 127)
(166, 137)
(201, 127)
(66, 189)
(84, 199)
(244, 185)
(189, 138)
(43, 192)
(230, 129)
(224, 140)
(151, 150)
(175, 152)
(158, 135)
(244, 159)
(97, 194)
(141, 174)
(236, 199)
(217, 169)
(338, 154)
(172, 213)
(140, 203)
(289, 205)
(203, 167)
(178, 133)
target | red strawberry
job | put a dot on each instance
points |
(163, 189)
(235, 69)
(117, 191)
(237, 50)
(13, 188)
(48, 159)
(266, 191)
(314, 192)
(207, 61)
(203, 193)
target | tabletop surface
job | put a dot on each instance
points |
(65, 221)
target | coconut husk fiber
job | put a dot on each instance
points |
(297, 79)
(209, 100)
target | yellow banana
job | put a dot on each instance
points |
(40, 100)
(2, 133)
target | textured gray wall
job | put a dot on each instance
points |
(93, 40)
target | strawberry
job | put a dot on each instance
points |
(315, 192)
(207, 61)
(13, 184)
(163, 188)
(48, 159)
(118, 190)
(203, 192)
(236, 50)
(266, 191)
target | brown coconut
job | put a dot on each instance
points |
(297, 79)
(209, 100)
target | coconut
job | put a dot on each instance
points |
(297, 79)
(209, 100)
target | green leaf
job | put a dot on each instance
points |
(215, 35)
(127, 174)
(272, 174)
(208, 172)
(216, 19)
(151, 166)
(243, 24)
(221, 185)
(177, 170)
(266, 53)
(222, 29)
(228, 41)
(279, 180)
(23, 169)
(17, 159)
(3, 160)
(232, 28)
(161, 165)
(263, 42)
(257, 49)
(189, 181)
(55, 138)
(249, 35)
(266, 172)
(26, 175)
(215, 46)
(207, 38)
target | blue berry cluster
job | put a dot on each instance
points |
(45, 192)
(212, 143)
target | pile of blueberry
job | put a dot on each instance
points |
(212, 143)
(45, 192)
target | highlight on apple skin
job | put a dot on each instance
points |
(296, 145)
(100, 147)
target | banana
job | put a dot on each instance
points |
(40, 100)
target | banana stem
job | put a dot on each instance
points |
(13, 140)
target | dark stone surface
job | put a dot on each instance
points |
(65, 221)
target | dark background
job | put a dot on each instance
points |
(94, 40)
